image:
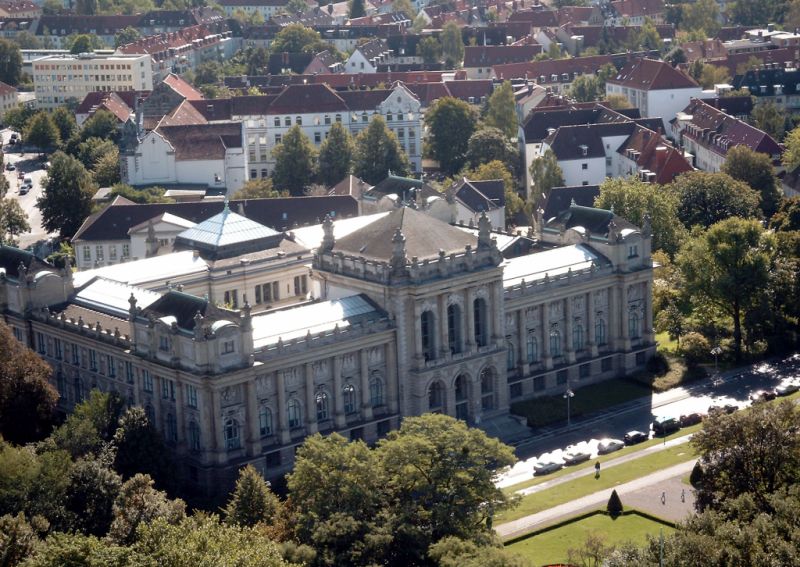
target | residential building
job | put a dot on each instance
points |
(112, 102)
(20, 9)
(367, 56)
(577, 38)
(654, 87)
(9, 98)
(59, 79)
(772, 84)
(266, 8)
(414, 315)
(479, 59)
(708, 133)
(473, 199)
(54, 29)
(635, 12)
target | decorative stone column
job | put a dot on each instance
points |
(219, 428)
(444, 338)
(469, 312)
(590, 325)
(311, 402)
(391, 378)
(648, 334)
(522, 343)
(569, 327)
(253, 431)
(547, 358)
(283, 422)
(339, 418)
(366, 401)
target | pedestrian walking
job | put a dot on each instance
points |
(683, 495)
(664, 498)
(597, 469)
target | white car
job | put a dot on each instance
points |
(787, 387)
(577, 456)
(609, 445)
(546, 467)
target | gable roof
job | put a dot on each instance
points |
(561, 198)
(424, 236)
(479, 196)
(549, 67)
(487, 55)
(650, 75)
(654, 154)
(11, 258)
(183, 307)
(183, 88)
(202, 141)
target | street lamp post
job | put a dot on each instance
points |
(716, 351)
(568, 395)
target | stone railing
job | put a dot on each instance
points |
(541, 283)
(96, 331)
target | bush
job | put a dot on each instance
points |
(695, 348)
(614, 506)
(696, 478)
(658, 365)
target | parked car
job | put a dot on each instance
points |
(10, 167)
(24, 190)
(576, 455)
(762, 396)
(722, 408)
(27, 181)
(665, 424)
(691, 419)
(546, 467)
(633, 437)
(609, 446)
(787, 387)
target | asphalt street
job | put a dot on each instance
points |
(736, 387)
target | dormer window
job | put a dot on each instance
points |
(633, 251)
(228, 347)
(163, 343)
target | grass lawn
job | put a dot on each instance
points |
(602, 458)
(551, 546)
(553, 409)
(665, 344)
(586, 485)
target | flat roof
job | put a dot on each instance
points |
(155, 269)
(552, 263)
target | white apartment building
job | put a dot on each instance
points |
(58, 79)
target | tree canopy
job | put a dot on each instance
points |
(450, 122)
(706, 198)
(67, 197)
(377, 152)
(452, 44)
(335, 155)
(545, 174)
(756, 170)
(296, 38)
(10, 63)
(501, 110)
(490, 144)
(41, 131)
(295, 162)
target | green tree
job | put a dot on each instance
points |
(450, 123)
(77, 550)
(125, 36)
(501, 112)
(670, 320)
(586, 88)
(787, 217)
(617, 101)
(140, 449)
(756, 170)
(676, 57)
(295, 160)
(86, 7)
(728, 267)
(756, 452)
(706, 198)
(791, 155)
(65, 122)
(632, 199)
(10, 63)
(102, 124)
(258, 61)
(92, 489)
(27, 400)
(296, 38)
(13, 221)
(138, 503)
(614, 505)
(26, 40)
(16, 118)
(335, 155)
(490, 144)
(647, 37)
(545, 174)
(208, 73)
(140, 195)
(106, 169)
(91, 425)
(701, 15)
(755, 12)
(430, 50)
(17, 539)
(41, 131)
(82, 43)
(452, 44)
(67, 197)
(258, 189)
(357, 9)
(377, 152)
(431, 462)
(768, 117)
(455, 552)
(252, 502)
(91, 150)
(498, 170)
(713, 75)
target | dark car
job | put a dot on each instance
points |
(726, 408)
(633, 437)
(10, 167)
(664, 425)
(762, 396)
(691, 419)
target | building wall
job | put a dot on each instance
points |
(589, 171)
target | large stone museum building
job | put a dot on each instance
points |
(392, 315)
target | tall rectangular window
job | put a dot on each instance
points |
(300, 285)
(93, 360)
(59, 354)
(147, 381)
(191, 396)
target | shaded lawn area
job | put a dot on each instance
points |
(602, 458)
(591, 398)
(551, 546)
(579, 487)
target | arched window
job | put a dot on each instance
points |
(376, 391)
(435, 396)
(577, 337)
(232, 434)
(555, 343)
(294, 413)
(454, 328)
(322, 406)
(600, 331)
(298, 120)
(349, 396)
(633, 323)
(264, 421)
(481, 322)
(511, 358)
(194, 436)
(172, 428)
(462, 397)
(487, 389)
(427, 327)
(532, 348)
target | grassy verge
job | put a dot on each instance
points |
(551, 546)
(609, 478)
(665, 344)
(603, 458)
(589, 399)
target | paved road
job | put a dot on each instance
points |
(597, 499)
(614, 422)
(31, 167)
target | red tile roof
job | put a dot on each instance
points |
(6, 89)
(549, 67)
(183, 88)
(650, 75)
(483, 56)
(655, 154)
(634, 8)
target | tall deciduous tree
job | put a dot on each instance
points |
(296, 38)
(632, 199)
(501, 110)
(139, 502)
(89, 498)
(102, 124)
(430, 50)
(377, 152)
(768, 117)
(65, 122)
(13, 221)
(258, 189)
(755, 169)
(545, 174)
(10, 63)
(791, 156)
(295, 164)
(125, 36)
(41, 132)
(490, 144)
(450, 123)
(706, 198)
(335, 155)
(67, 197)
(357, 9)
(27, 400)
(140, 449)
(452, 44)
(728, 266)
(252, 502)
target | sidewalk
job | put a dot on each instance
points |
(654, 482)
